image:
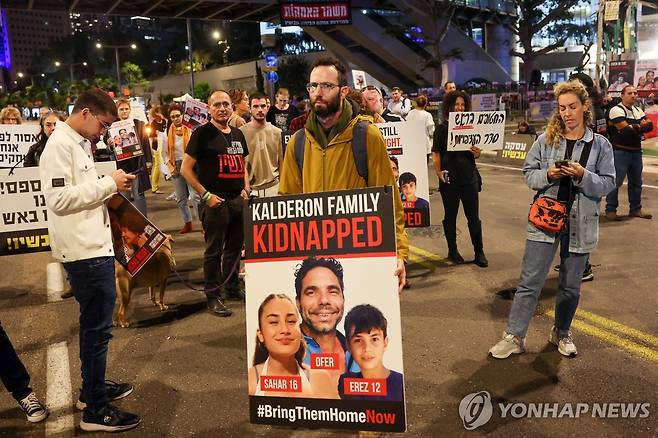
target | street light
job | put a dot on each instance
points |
(71, 65)
(116, 56)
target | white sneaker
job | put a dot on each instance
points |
(507, 346)
(34, 410)
(565, 344)
(171, 197)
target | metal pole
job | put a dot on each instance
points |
(189, 52)
(116, 55)
(599, 40)
(71, 72)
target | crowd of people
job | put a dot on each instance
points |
(239, 154)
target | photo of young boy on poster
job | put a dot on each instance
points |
(404, 142)
(124, 139)
(195, 113)
(134, 237)
(310, 311)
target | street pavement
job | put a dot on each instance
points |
(189, 367)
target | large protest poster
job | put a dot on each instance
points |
(15, 141)
(405, 141)
(646, 82)
(24, 227)
(195, 113)
(484, 102)
(324, 263)
(515, 149)
(485, 130)
(125, 140)
(135, 238)
(620, 74)
(315, 12)
(542, 110)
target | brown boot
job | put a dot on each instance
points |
(186, 228)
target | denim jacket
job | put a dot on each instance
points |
(598, 180)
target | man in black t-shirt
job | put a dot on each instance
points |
(282, 113)
(218, 151)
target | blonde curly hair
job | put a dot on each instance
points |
(555, 127)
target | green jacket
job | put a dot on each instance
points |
(334, 168)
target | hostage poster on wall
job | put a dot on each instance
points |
(24, 226)
(324, 342)
(405, 142)
(646, 82)
(15, 141)
(125, 140)
(620, 74)
(135, 238)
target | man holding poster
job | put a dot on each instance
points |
(81, 238)
(328, 150)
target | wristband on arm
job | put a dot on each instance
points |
(206, 195)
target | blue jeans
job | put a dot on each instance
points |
(536, 265)
(182, 194)
(93, 284)
(627, 163)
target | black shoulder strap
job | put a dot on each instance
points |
(360, 148)
(584, 155)
(300, 141)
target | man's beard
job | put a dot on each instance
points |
(332, 107)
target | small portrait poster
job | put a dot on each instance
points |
(324, 341)
(125, 140)
(195, 113)
(135, 238)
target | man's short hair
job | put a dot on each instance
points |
(623, 90)
(98, 102)
(256, 95)
(362, 319)
(421, 101)
(445, 85)
(408, 177)
(394, 159)
(283, 90)
(311, 263)
(329, 61)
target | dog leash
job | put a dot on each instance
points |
(186, 284)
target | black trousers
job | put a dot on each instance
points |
(12, 371)
(469, 197)
(224, 236)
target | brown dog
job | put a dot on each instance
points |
(153, 274)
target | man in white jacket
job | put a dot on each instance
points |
(80, 237)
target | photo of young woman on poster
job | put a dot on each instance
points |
(278, 369)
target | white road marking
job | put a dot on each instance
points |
(498, 166)
(58, 392)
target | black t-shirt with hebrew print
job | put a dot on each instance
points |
(220, 158)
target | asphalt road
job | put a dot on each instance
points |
(188, 367)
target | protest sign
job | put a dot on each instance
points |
(135, 238)
(315, 12)
(125, 139)
(515, 149)
(485, 130)
(195, 113)
(542, 110)
(620, 74)
(646, 82)
(359, 79)
(23, 208)
(305, 259)
(484, 102)
(15, 141)
(406, 142)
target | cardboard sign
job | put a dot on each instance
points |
(135, 238)
(405, 141)
(321, 243)
(125, 139)
(15, 141)
(516, 148)
(24, 226)
(485, 130)
(195, 113)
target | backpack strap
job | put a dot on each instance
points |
(300, 142)
(360, 148)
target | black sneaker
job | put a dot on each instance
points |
(33, 408)
(108, 419)
(216, 307)
(115, 391)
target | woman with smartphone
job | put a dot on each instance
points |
(572, 165)
(459, 180)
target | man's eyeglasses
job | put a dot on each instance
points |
(323, 86)
(105, 125)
